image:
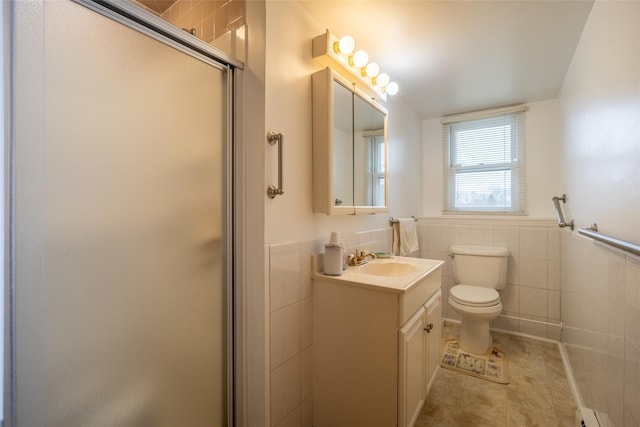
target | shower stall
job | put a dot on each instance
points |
(119, 222)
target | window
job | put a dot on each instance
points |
(484, 162)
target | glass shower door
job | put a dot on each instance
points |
(121, 290)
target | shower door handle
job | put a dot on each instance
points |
(273, 138)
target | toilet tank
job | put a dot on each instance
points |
(480, 265)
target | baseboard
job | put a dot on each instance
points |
(506, 331)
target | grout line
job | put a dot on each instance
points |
(554, 413)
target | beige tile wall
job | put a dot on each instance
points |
(291, 344)
(210, 18)
(531, 298)
(601, 312)
(290, 333)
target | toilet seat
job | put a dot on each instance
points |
(474, 296)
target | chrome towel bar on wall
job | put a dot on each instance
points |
(393, 220)
(273, 138)
(561, 221)
(609, 240)
(592, 231)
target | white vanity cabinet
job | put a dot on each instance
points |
(433, 327)
(373, 359)
(419, 346)
(413, 366)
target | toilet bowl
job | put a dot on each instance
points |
(477, 311)
(478, 272)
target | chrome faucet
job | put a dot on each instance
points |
(360, 258)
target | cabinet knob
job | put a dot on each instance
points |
(429, 327)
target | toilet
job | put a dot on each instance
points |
(479, 272)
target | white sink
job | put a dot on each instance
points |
(397, 274)
(388, 268)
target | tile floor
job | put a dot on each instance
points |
(538, 393)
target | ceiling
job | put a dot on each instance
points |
(451, 57)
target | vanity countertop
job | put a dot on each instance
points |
(404, 273)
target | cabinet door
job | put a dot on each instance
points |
(433, 326)
(412, 365)
(349, 148)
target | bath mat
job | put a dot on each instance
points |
(491, 365)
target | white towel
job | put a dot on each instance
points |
(396, 239)
(405, 237)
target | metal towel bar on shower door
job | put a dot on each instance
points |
(273, 191)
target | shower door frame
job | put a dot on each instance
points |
(142, 21)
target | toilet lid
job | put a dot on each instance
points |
(475, 296)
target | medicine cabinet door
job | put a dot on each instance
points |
(342, 145)
(349, 148)
(370, 156)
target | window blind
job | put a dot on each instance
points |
(485, 164)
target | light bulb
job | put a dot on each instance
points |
(345, 45)
(392, 88)
(359, 59)
(371, 70)
(382, 80)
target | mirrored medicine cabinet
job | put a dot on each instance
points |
(349, 148)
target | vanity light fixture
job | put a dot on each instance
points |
(345, 45)
(359, 59)
(339, 55)
(371, 70)
(382, 80)
(392, 88)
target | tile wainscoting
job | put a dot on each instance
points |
(600, 290)
(290, 305)
(531, 296)
(531, 299)
(601, 315)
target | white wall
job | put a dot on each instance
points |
(405, 164)
(2, 208)
(600, 99)
(290, 29)
(601, 158)
(252, 274)
(542, 154)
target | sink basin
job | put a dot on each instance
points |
(397, 275)
(389, 269)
